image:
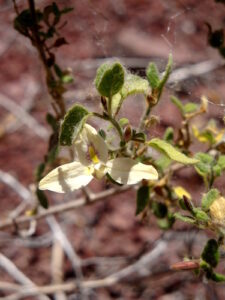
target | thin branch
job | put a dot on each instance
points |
(63, 207)
(57, 267)
(70, 252)
(143, 267)
(16, 274)
(23, 116)
(10, 122)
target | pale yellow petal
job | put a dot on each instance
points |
(66, 178)
(127, 171)
(90, 147)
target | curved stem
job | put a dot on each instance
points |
(112, 121)
(144, 117)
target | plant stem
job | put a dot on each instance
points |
(112, 121)
(49, 74)
(144, 117)
(110, 106)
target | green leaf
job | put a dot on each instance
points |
(166, 223)
(170, 151)
(200, 215)
(168, 135)
(58, 71)
(52, 121)
(109, 79)
(216, 170)
(67, 78)
(39, 171)
(165, 75)
(221, 162)
(134, 84)
(217, 277)
(123, 122)
(72, 124)
(190, 107)
(160, 210)
(163, 163)
(185, 219)
(116, 103)
(209, 198)
(102, 133)
(112, 180)
(52, 154)
(153, 75)
(203, 167)
(142, 198)
(178, 104)
(43, 200)
(139, 136)
(211, 253)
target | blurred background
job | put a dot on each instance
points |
(106, 236)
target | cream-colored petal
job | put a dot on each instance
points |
(66, 178)
(90, 147)
(127, 171)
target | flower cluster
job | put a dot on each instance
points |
(92, 161)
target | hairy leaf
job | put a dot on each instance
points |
(211, 253)
(209, 198)
(171, 152)
(109, 79)
(142, 198)
(72, 124)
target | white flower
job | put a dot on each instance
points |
(92, 153)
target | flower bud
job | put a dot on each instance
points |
(217, 210)
(152, 99)
(127, 133)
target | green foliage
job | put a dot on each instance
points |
(43, 200)
(159, 209)
(123, 122)
(153, 75)
(184, 109)
(186, 219)
(210, 253)
(142, 198)
(190, 107)
(217, 277)
(166, 223)
(163, 163)
(134, 84)
(156, 83)
(168, 135)
(109, 79)
(209, 198)
(171, 152)
(166, 74)
(200, 215)
(39, 171)
(221, 162)
(114, 86)
(178, 104)
(72, 124)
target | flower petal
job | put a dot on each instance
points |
(66, 178)
(127, 171)
(90, 147)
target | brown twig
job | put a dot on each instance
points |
(63, 207)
